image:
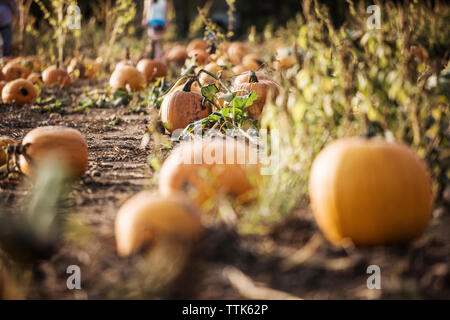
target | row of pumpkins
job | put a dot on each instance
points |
(367, 190)
(18, 77)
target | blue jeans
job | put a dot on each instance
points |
(7, 36)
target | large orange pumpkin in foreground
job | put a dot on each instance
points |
(263, 89)
(370, 191)
(183, 107)
(65, 145)
(204, 169)
(148, 217)
(152, 69)
(127, 75)
(20, 91)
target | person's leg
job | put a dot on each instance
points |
(158, 49)
(149, 48)
(7, 35)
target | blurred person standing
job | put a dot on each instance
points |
(155, 18)
(8, 13)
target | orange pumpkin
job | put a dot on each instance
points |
(92, 67)
(285, 59)
(123, 63)
(204, 169)
(370, 191)
(20, 91)
(149, 217)
(15, 70)
(34, 78)
(2, 77)
(201, 56)
(127, 75)
(263, 89)
(56, 76)
(224, 46)
(177, 54)
(239, 69)
(223, 61)
(32, 63)
(211, 67)
(2, 85)
(152, 69)
(237, 51)
(4, 143)
(197, 44)
(183, 107)
(214, 68)
(65, 145)
(252, 62)
(87, 68)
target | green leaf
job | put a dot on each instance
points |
(242, 102)
(209, 92)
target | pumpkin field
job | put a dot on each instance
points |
(306, 158)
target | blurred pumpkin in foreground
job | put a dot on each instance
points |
(149, 217)
(65, 145)
(370, 191)
(204, 169)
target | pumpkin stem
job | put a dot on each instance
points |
(188, 85)
(252, 78)
(127, 53)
